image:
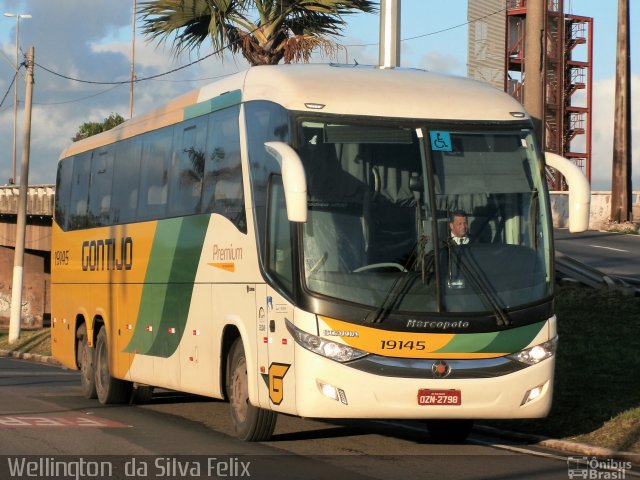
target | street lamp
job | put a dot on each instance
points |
(17, 16)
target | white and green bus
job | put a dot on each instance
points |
(280, 239)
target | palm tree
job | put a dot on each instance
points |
(264, 31)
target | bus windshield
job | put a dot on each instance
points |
(382, 203)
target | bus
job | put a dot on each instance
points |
(280, 239)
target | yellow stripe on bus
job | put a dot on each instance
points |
(228, 266)
(390, 343)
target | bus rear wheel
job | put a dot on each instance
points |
(449, 431)
(109, 389)
(251, 424)
(85, 360)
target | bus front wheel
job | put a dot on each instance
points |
(109, 389)
(251, 424)
(85, 359)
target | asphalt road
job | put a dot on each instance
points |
(611, 253)
(44, 420)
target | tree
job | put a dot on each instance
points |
(282, 29)
(88, 129)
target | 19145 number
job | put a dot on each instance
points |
(402, 345)
(62, 257)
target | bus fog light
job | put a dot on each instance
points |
(334, 393)
(532, 394)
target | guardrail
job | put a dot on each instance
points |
(570, 267)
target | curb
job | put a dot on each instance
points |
(562, 445)
(555, 444)
(34, 357)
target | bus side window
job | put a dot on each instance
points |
(223, 191)
(100, 187)
(63, 191)
(187, 167)
(79, 191)
(154, 175)
(279, 259)
(124, 197)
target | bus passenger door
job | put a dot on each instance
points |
(277, 368)
(277, 388)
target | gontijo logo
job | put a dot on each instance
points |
(107, 254)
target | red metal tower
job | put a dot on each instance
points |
(567, 66)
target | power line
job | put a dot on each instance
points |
(79, 99)
(153, 77)
(120, 84)
(435, 32)
(9, 89)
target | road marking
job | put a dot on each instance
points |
(610, 248)
(514, 449)
(524, 450)
(31, 421)
(613, 472)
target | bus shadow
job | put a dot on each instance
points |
(167, 397)
(402, 430)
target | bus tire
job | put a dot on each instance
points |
(109, 389)
(85, 359)
(251, 424)
(449, 431)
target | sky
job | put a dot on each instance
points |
(91, 46)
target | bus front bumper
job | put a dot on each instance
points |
(328, 389)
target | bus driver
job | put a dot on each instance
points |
(459, 226)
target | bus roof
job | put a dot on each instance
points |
(336, 89)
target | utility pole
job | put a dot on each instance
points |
(621, 169)
(389, 53)
(17, 16)
(133, 59)
(21, 227)
(533, 100)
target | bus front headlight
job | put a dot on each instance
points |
(537, 353)
(331, 350)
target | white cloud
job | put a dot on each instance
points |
(440, 63)
(602, 139)
(146, 55)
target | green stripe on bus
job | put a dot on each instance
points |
(508, 341)
(166, 295)
(163, 251)
(225, 100)
(468, 342)
(516, 339)
(180, 288)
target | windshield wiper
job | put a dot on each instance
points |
(479, 282)
(401, 285)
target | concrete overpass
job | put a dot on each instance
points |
(37, 263)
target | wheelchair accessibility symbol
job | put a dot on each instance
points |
(440, 141)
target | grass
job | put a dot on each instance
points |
(597, 392)
(629, 228)
(32, 341)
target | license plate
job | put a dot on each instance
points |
(439, 397)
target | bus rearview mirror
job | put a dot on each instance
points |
(579, 191)
(293, 179)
